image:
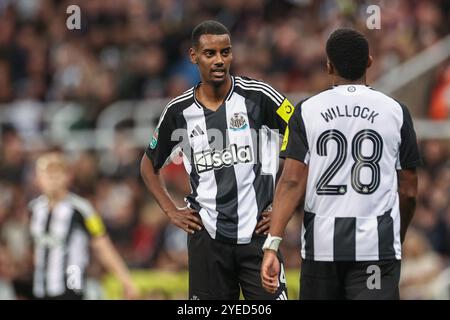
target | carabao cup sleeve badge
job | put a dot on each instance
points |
(154, 141)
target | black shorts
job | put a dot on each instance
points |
(68, 295)
(218, 270)
(368, 280)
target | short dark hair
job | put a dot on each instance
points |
(207, 27)
(348, 52)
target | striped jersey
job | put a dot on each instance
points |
(61, 237)
(354, 139)
(230, 154)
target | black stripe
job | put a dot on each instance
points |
(259, 89)
(344, 239)
(194, 181)
(180, 97)
(46, 250)
(263, 184)
(227, 193)
(409, 151)
(386, 236)
(267, 86)
(193, 176)
(308, 223)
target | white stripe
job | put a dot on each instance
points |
(38, 222)
(78, 249)
(181, 98)
(269, 87)
(187, 164)
(256, 85)
(260, 89)
(366, 239)
(78, 254)
(323, 238)
(81, 205)
(39, 217)
(207, 187)
(269, 146)
(245, 176)
(303, 250)
(59, 227)
(38, 279)
(395, 215)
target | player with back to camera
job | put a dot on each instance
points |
(354, 151)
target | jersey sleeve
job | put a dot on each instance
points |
(277, 110)
(94, 225)
(91, 220)
(409, 155)
(161, 144)
(295, 142)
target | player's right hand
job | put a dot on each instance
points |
(270, 270)
(130, 291)
(187, 219)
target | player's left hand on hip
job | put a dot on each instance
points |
(263, 226)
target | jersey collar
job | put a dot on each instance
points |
(227, 97)
(350, 88)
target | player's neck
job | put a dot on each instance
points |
(337, 81)
(55, 198)
(212, 96)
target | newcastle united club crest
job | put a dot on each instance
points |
(237, 122)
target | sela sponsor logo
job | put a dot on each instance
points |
(238, 122)
(213, 160)
(48, 240)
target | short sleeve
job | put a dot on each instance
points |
(277, 115)
(91, 220)
(161, 144)
(277, 110)
(94, 225)
(295, 142)
(409, 155)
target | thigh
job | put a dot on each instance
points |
(248, 260)
(373, 280)
(320, 280)
(211, 268)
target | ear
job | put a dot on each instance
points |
(369, 61)
(330, 68)
(193, 55)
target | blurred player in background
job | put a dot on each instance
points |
(354, 151)
(232, 184)
(63, 227)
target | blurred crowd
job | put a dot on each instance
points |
(134, 49)
(137, 49)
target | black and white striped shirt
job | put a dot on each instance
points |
(61, 237)
(354, 140)
(230, 154)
